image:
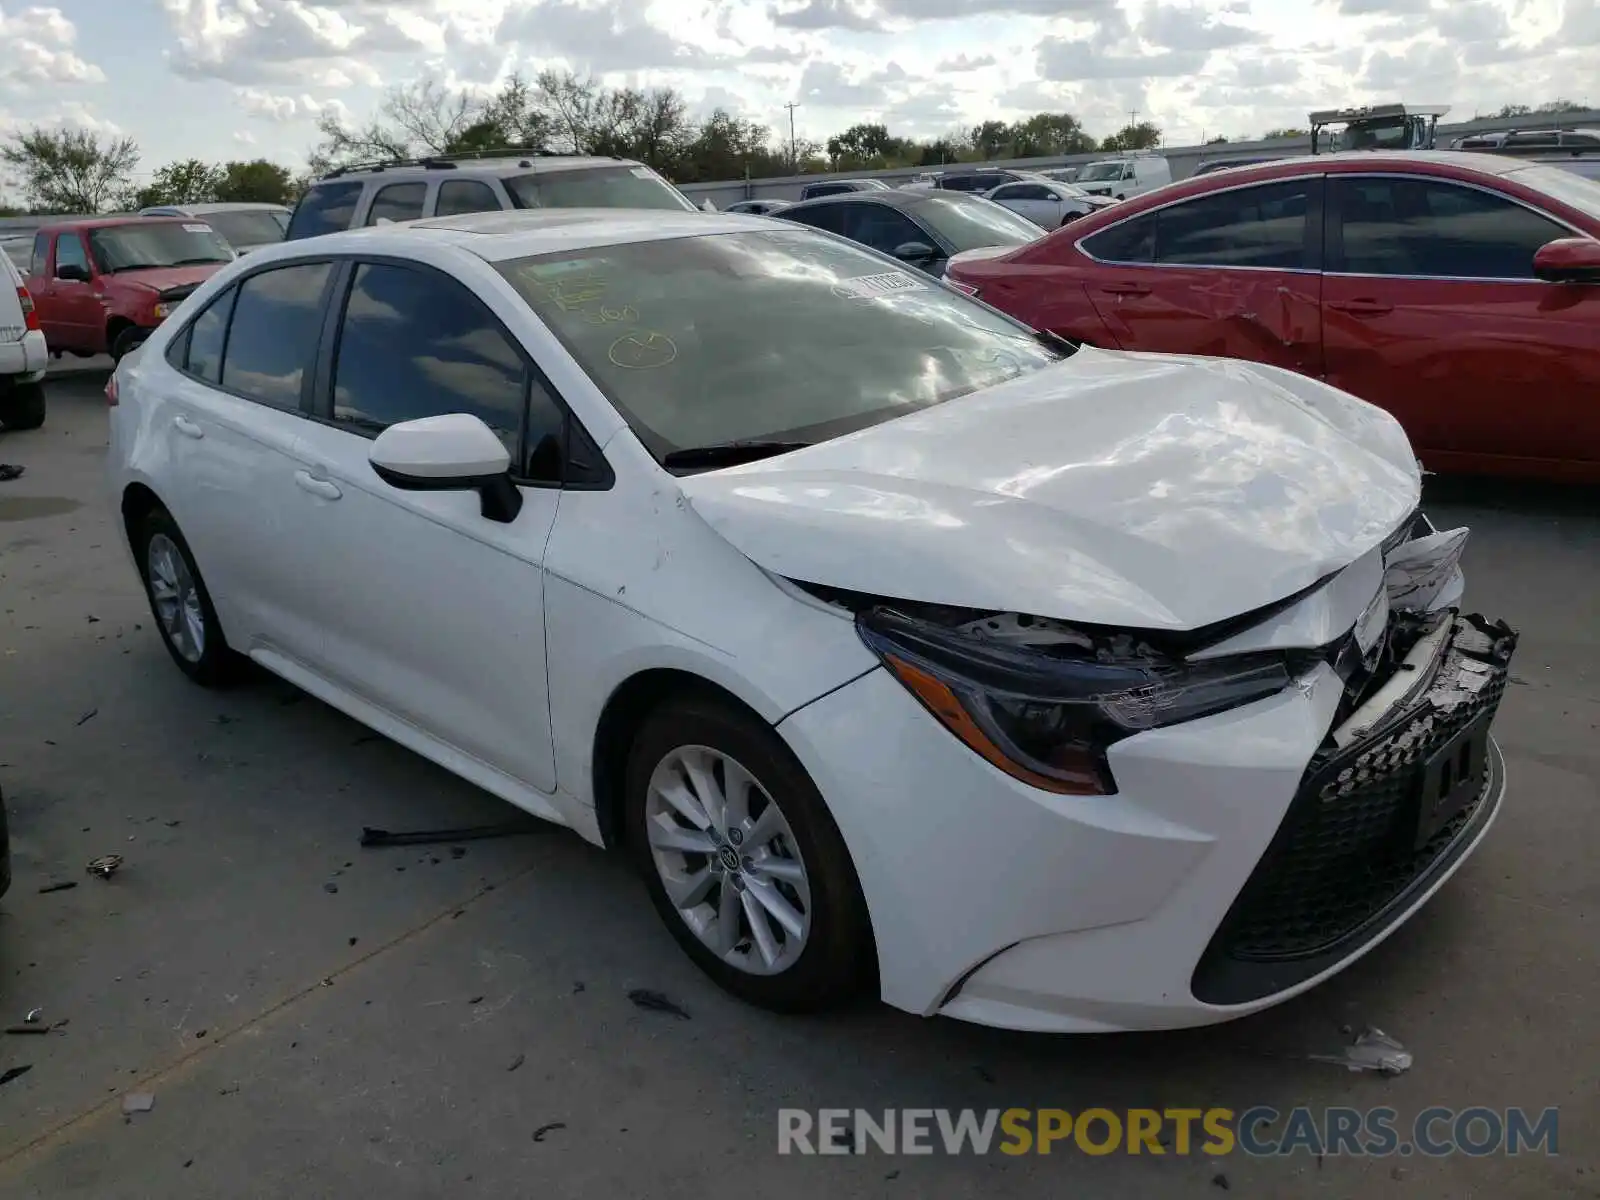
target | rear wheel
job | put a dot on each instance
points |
(743, 860)
(23, 406)
(180, 603)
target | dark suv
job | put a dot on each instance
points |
(377, 193)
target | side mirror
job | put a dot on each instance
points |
(707, 206)
(916, 253)
(72, 271)
(1568, 260)
(455, 452)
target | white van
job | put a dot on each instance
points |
(23, 354)
(1129, 175)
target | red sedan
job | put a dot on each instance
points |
(1459, 291)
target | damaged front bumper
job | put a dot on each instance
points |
(1395, 798)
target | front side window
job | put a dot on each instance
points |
(596, 187)
(971, 222)
(457, 196)
(881, 227)
(69, 252)
(1241, 227)
(157, 243)
(824, 216)
(272, 339)
(1130, 241)
(413, 344)
(397, 202)
(693, 340)
(325, 208)
(1429, 228)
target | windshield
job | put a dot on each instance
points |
(971, 222)
(1394, 136)
(248, 226)
(783, 335)
(157, 244)
(596, 187)
(1099, 172)
(1563, 185)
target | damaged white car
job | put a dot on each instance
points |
(901, 646)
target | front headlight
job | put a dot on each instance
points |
(164, 310)
(1045, 709)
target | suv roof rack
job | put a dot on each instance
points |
(442, 162)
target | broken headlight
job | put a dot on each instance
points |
(1043, 701)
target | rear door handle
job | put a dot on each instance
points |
(188, 428)
(1361, 308)
(1125, 289)
(307, 482)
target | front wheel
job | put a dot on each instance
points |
(126, 342)
(23, 406)
(180, 603)
(743, 860)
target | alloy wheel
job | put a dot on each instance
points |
(177, 598)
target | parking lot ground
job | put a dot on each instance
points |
(315, 1019)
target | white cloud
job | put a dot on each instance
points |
(272, 107)
(36, 48)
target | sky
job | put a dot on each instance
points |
(223, 79)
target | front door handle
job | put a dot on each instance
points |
(1125, 289)
(326, 488)
(188, 428)
(1361, 308)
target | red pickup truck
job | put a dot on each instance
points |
(101, 285)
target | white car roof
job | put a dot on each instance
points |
(519, 233)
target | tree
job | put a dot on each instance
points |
(1559, 106)
(862, 144)
(1146, 135)
(1273, 135)
(991, 139)
(258, 181)
(71, 170)
(1046, 134)
(1514, 110)
(1219, 140)
(188, 181)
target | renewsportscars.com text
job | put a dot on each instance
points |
(1259, 1132)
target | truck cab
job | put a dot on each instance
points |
(1377, 127)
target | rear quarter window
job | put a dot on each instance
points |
(325, 208)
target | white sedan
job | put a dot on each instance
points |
(1047, 202)
(900, 646)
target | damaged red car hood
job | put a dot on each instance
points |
(1137, 490)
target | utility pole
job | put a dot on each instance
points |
(794, 155)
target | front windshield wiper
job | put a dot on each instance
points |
(728, 454)
(197, 262)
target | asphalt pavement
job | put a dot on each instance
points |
(314, 1019)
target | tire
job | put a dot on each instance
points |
(127, 341)
(212, 663)
(833, 958)
(23, 407)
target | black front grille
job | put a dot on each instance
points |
(1349, 850)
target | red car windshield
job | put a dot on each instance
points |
(156, 244)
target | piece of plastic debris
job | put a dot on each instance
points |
(426, 837)
(138, 1102)
(538, 1134)
(330, 888)
(33, 1015)
(476, 1000)
(655, 1002)
(1374, 1050)
(105, 866)
(14, 1073)
(27, 1029)
(1219, 1180)
(517, 1062)
(88, 716)
(61, 885)
(9, 471)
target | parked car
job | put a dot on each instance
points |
(19, 250)
(1047, 204)
(1457, 291)
(981, 179)
(383, 193)
(24, 354)
(102, 285)
(758, 208)
(1227, 164)
(1131, 175)
(1532, 141)
(1062, 174)
(840, 187)
(912, 665)
(919, 228)
(243, 226)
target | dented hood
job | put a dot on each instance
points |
(1137, 490)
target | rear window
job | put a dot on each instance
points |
(247, 226)
(325, 208)
(596, 187)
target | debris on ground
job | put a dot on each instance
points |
(426, 837)
(330, 887)
(1220, 1180)
(27, 1029)
(578, 985)
(655, 1002)
(476, 1000)
(61, 885)
(11, 1073)
(517, 1062)
(538, 1134)
(88, 716)
(1374, 1050)
(33, 1015)
(105, 866)
(458, 851)
(135, 1102)
(8, 472)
